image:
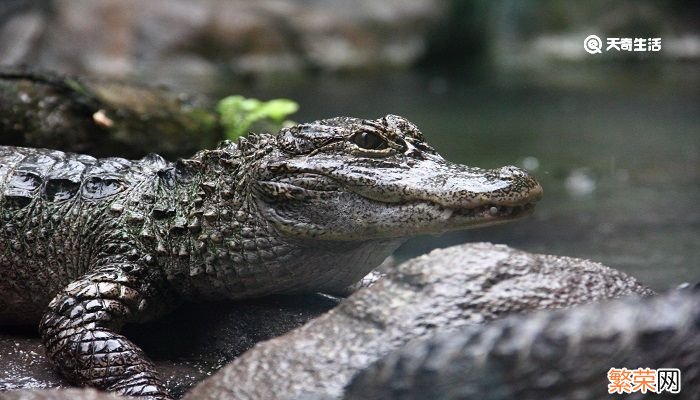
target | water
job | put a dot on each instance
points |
(617, 152)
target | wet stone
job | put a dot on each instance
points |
(446, 289)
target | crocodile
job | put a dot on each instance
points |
(87, 245)
(553, 354)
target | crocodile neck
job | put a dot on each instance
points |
(214, 244)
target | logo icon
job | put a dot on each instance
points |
(592, 44)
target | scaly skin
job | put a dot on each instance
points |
(563, 354)
(88, 244)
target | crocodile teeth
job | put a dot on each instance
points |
(502, 211)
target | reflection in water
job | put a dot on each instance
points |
(618, 156)
(580, 183)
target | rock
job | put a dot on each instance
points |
(186, 346)
(100, 118)
(446, 289)
(59, 394)
(172, 41)
(562, 354)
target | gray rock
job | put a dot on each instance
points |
(102, 118)
(446, 289)
(175, 40)
(186, 346)
(562, 354)
(59, 394)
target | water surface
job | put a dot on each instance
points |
(617, 152)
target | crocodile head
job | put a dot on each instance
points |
(354, 179)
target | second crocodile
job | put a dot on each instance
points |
(88, 244)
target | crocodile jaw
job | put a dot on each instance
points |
(400, 209)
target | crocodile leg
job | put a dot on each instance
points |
(79, 331)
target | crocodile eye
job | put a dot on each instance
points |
(369, 141)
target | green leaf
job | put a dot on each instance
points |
(238, 114)
(279, 109)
